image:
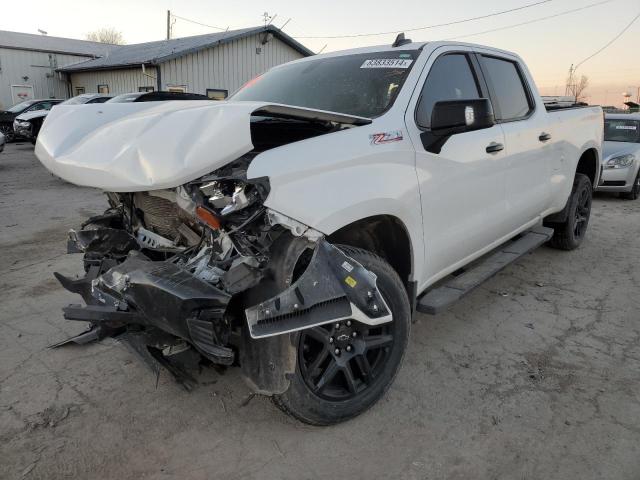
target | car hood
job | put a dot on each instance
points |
(611, 149)
(130, 147)
(26, 116)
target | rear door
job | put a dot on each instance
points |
(530, 146)
(461, 186)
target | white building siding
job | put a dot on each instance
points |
(226, 67)
(16, 64)
(119, 81)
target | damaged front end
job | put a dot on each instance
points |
(207, 268)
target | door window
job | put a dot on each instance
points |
(451, 78)
(508, 87)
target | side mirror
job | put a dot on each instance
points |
(450, 117)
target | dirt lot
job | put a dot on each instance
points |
(536, 375)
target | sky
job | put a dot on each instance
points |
(549, 46)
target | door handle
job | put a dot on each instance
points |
(544, 136)
(494, 147)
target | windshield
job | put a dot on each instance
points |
(80, 99)
(124, 98)
(18, 107)
(622, 130)
(365, 85)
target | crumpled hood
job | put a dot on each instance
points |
(616, 149)
(26, 116)
(129, 147)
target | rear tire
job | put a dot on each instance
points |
(570, 234)
(635, 190)
(366, 365)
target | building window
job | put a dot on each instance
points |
(146, 89)
(217, 93)
(79, 90)
(177, 88)
(103, 88)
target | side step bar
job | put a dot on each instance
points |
(438, 299)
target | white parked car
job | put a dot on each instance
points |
(3, 141)
(621, 155)
(294, 229)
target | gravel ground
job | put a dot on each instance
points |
(535, 375)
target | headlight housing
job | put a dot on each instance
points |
(622, 161)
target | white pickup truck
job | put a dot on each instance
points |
(294, 229)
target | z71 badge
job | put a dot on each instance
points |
(386, 137)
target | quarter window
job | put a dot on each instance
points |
(508, 87)
(450, 78)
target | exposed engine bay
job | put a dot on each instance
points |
(206, 269)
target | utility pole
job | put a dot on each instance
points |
(168, 24)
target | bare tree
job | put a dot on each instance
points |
(106, 35)
(577, 88)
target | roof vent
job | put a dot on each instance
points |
(400, 40)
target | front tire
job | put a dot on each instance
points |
(7, 131)
(635, 190)
(570, 234)
(343, 369)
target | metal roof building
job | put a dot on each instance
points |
(215, 64)
(28, 64)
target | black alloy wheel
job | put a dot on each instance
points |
(7, 131)
(569, 234)
(341, 360)
(344, 367)
(582, 213)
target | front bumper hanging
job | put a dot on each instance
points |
(156, 304)
(334, 287)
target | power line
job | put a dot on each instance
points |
(456, 22)
(609, 43)
(566, 12)
(198, 23)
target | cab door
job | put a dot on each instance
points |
(462, 184)
(530, 145)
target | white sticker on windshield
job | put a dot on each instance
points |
(626, 127)
(387, 63)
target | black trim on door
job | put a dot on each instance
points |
(492, 93)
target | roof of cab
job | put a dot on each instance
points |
(405, 47)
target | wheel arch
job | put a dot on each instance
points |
(589, 165)
(384, 235)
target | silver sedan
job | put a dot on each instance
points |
(621, 155)
(2, 141)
